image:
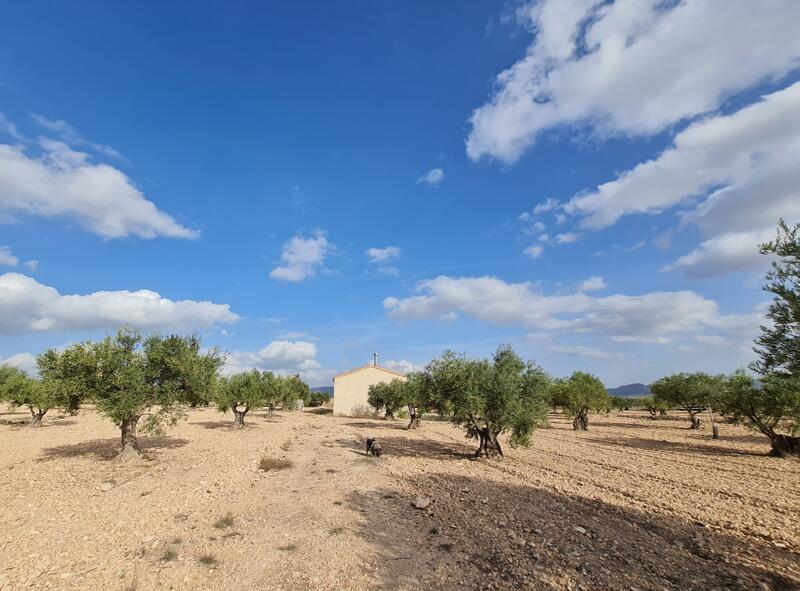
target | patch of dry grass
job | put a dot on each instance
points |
(225, 521)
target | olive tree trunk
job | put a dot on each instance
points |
(36, 416)
(695, 420)
(415, 418)
(238, 417)
(784, 446)
(581, 421)
(489, 445)
(130, 445)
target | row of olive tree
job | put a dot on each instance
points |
(142, 383)
(489, 397)
(242, 392)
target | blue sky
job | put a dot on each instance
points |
(306, 184)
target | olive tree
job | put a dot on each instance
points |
(772, 408)
(654, 406)
(778, 350)
(128, 376)
(240, 393)
(388, 397)
(19, 389)
(490, 397)
(692, 392)
(579, 394)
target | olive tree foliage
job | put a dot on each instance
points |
(772, 408)
(778, 350)
(54, 388)
(293, 389)
(128, 376)
(577, 395)
(654, 406)
(692, 392)
(490, 397)
(19, 389)
(388, 397)
(242, 392)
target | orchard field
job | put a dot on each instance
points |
(631, 503)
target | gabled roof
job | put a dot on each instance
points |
(368, 366)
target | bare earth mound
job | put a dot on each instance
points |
(630, 504)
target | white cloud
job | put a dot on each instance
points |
(402, 366)
(578, 350)
(24, 361)
(543, 237)
(592, 63)
(9, 128)
(648, 317)
(302, 257)
(32, 264)
(71, 135)
(284, 357)
(63, 183)
(432, 178)
(382, 255)
(756, 145)
(724, 254)
(534, 251)
(593, 284)
(27, 305)
(749, 160)
(7, 257)
(567, 238)
(546, 205)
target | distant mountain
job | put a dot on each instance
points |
(630, 390)
(324, 389)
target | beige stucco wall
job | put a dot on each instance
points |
(350, 389)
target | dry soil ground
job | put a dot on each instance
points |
(630, 504)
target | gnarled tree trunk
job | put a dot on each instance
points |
(238, 416)
(415, 418)
(36, 416)
(388, 415)
(489, 445)
(695, 421)
(785, 446)
(581, 421)
(130, 445)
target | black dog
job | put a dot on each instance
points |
(373, 447)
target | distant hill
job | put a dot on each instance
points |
(630, 390)
(324, 389)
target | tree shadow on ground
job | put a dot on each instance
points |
(416, 447)
(479, 533)
(318, 410)
(673, 446)
(395, 426)
(223, 425)
(604, 423)
(107, 449)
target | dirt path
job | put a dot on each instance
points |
(630, 504)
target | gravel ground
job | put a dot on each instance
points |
(630, 504)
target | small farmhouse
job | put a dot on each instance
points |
(350, 388)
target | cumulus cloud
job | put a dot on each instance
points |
(644, 317)
(27, 305)
(7, 257)
(567, 238)
(24, 361)
(72, 136)
(402, 366)
(591, 63)
(382, 255)
(284, 357)
(432, 178)
(748, 160)
(593, 284)
(302, 257)
(64, 183)
(32, 264)
(724, 254)
(534, 251)
(579, 350)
